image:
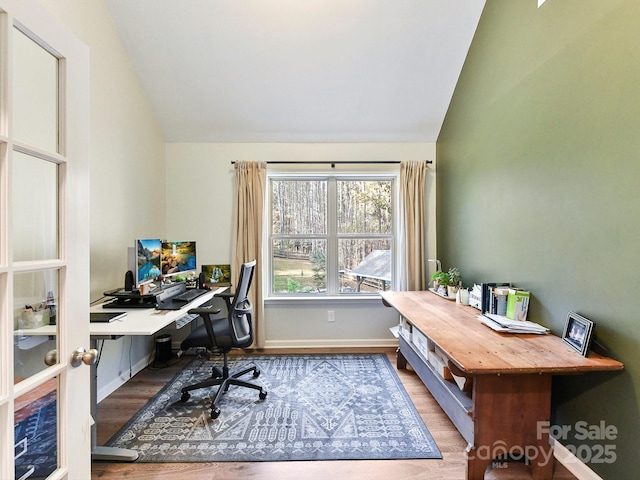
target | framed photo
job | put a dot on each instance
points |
(577, 333)
(217, 275)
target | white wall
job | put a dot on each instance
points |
(126, 166)
(199, 194)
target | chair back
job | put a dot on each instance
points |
(241, 314)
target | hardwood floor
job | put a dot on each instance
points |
(119, 407)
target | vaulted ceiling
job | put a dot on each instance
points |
(298, 70)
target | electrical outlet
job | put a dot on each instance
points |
(331, 316)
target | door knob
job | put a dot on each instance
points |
(83, 356)
(51, 358)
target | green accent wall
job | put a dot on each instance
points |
(538, 184)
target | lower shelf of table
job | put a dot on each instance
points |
(456, 404)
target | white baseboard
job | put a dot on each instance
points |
(120, 380)
(332, 343)
(572, 463)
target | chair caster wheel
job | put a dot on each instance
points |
(256, 373)
(185, 396)
(263, 395)
(215, 413)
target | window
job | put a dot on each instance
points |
(331, 235)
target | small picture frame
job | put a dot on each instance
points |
(217, 275)
(578, 332)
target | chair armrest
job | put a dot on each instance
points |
(227, 296)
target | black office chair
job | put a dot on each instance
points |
(221, 332)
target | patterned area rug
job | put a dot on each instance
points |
(319, 407)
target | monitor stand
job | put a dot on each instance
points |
(134, 301)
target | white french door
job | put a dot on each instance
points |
(45, 422)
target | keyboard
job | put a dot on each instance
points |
(186, 319)
(180, 300)
(189, 295)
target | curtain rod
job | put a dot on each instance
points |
(333, 164)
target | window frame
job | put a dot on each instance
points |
(332, 236)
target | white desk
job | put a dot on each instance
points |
(138, 321)
(142, 321)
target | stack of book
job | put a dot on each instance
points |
(490, 299)
(505, 300)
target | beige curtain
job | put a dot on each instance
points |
(413, 217)
(251, 179)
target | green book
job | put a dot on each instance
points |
(517, 304)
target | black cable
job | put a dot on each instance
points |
(98, 300)
(130, 363)
(99, 353)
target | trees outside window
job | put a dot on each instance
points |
(331, 235)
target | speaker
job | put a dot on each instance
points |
(128, 281)
(202, 281)
(163, 348)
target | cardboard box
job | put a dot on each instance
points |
(405, 329)
(518, 304)
(439, 365)
(421, 343)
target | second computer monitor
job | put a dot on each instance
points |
(178, 258)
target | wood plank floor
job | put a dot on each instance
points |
(119, 407)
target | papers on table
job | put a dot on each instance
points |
(395, 331)
(504, 324)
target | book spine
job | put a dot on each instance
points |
(489, 303)
(501, 295)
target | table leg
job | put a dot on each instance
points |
(507, 413)
(401, 362)
(476, 466)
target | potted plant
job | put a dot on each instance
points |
(440, 279)
(455, 281)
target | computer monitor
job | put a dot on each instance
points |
(148, 259)
(178, 258)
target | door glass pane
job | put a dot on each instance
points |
(34, 301)
(4, 153)
(36, 432)
(35, 100)
(34, 206)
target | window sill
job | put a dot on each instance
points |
(350, 300)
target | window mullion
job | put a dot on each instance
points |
(332, 241)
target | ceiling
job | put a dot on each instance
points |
(298, 70)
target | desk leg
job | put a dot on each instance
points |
(401, 362)
(104, 453)
(507, 410)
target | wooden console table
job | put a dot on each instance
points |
(509, 376)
